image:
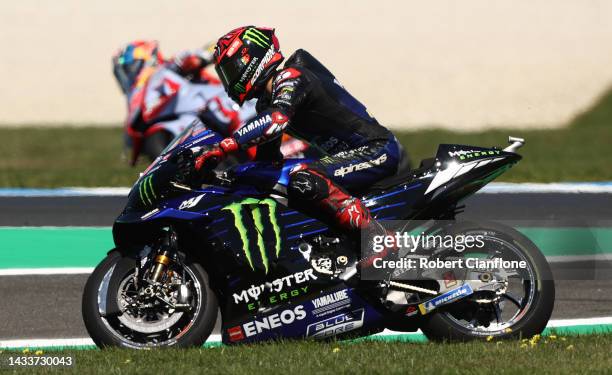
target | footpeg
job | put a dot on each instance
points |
(329, 258)
(322, 265)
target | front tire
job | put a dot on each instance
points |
(109, 331)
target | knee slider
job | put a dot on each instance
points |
(307, 186)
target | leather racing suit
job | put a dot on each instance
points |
(308, 102)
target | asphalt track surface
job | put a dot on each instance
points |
(49, 306)
(549, 208)
(40, 306)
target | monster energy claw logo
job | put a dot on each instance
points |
(254, 207)
(257, 37)
(146, 192)
(239, 87)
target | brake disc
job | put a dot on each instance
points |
(139, 324)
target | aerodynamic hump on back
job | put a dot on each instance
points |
(468, 165)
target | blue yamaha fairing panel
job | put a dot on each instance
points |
(335, 312)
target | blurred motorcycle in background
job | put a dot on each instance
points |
(165, 96)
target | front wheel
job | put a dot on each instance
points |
(179, 312)
(520, 309)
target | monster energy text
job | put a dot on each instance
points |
(275, 287)
(254, 207)
(477, 154)
(278, 298)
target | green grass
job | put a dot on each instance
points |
(583, 354)
(53, 157)
(572, 154)
(582, 151)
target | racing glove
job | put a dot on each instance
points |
(207, 159)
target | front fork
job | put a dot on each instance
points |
(166, 254)
(160, 274)
(160, 265)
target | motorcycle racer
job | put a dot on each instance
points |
(305, 99)
(136, 56)
(130, 62)
(138, 70)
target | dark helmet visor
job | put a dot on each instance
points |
(230, 72)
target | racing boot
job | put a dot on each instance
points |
(352, 217)
(312, 191)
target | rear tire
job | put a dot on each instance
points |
(98, 327)
(440, 326)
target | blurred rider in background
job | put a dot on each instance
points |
(135, 64)
(155, 112)
(139, 56)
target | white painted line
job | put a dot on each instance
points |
(564, 188)
(579, 258)
(492, 188)
(107, 191)
(555, 323)
(55, 227)
(66, 192)
(46, 271)
(216, 338)
(72, 342)
(388, 332)
(579, 322)
(39, 343)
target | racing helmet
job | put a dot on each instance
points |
(131, 60)
(245, 58)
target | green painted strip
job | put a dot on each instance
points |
(43, 247)
(215, 344)
(577, 330)
(587, 329)
(407, 337)
(571, 241)
(53, 247)
(559, 331)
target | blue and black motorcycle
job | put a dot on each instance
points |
(232, 246)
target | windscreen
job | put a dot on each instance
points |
(154, 183)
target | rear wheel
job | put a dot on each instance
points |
(520, 309)
(148, 316)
